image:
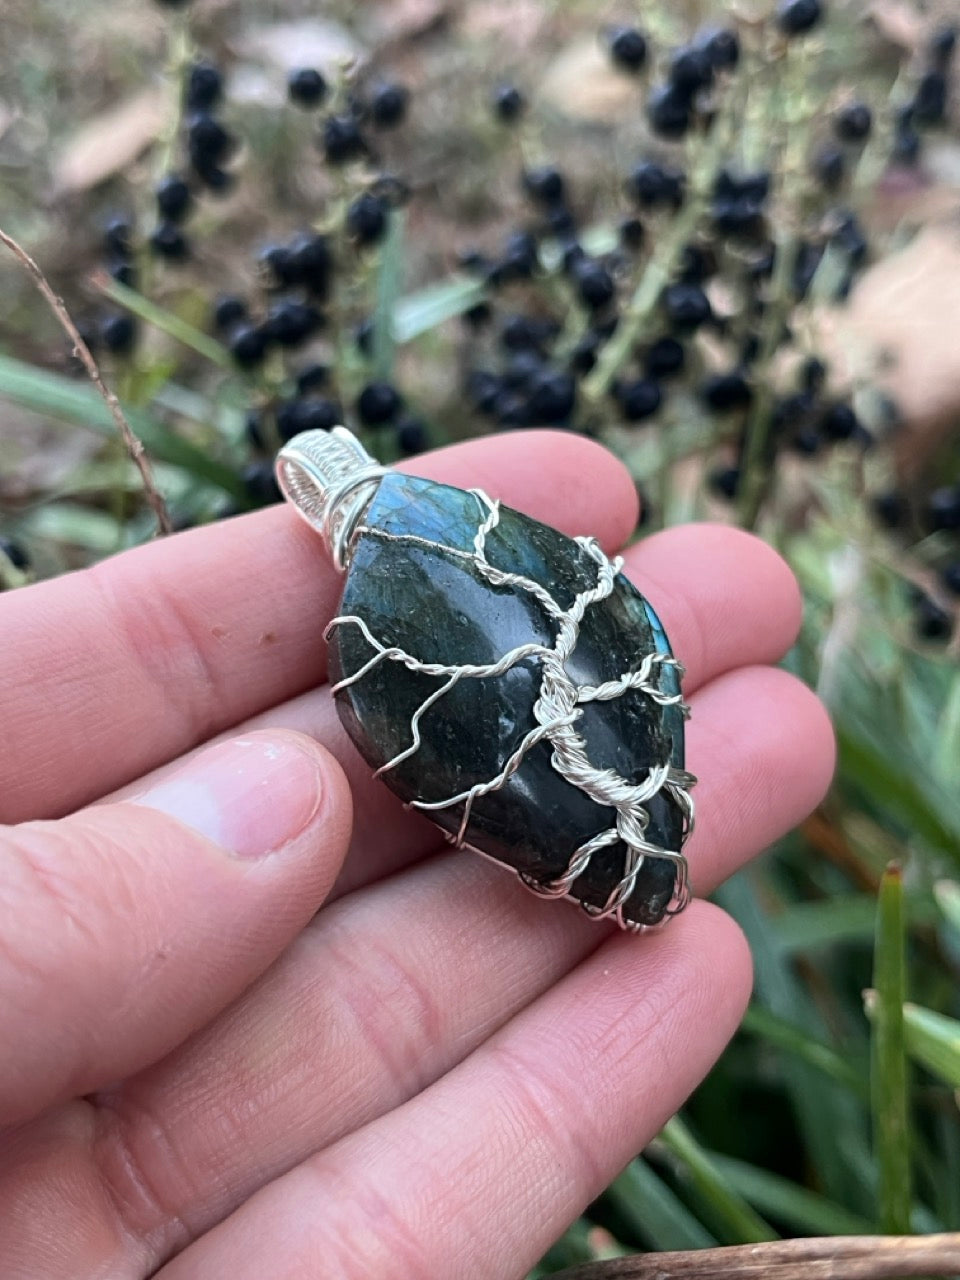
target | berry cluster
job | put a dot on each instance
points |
(692, 298)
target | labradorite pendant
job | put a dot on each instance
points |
(505, 680)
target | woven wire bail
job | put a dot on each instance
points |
(329, 478)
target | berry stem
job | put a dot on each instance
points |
(132, 442)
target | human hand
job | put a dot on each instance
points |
(434, 1075)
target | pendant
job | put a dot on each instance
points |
(505, 680)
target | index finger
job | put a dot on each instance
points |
(114, 670)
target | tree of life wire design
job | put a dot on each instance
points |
(556, 711)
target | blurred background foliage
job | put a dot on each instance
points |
(831, 1112)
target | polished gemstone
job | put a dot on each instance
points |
(415, 584)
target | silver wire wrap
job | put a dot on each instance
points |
(329, 478)
(557, 710)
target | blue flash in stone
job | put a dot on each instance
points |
(506, 680)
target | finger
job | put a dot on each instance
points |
(727, 601)
(193, 634)
(127, 926)
(491, 1163)
(366, 1008)
(725, 598)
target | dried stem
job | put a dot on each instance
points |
(823, 1258)
(132, 443)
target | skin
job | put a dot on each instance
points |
(205, 1073)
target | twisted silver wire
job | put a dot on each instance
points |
(557, 709)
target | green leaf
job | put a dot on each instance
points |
(654, 1212)
(891, 1129)
(933, 1039)
(420, 312)
(78, 403)
(947, 894)
(794, 1040)
(794, 1206)
(883, 779)
(167, 323)
(808, 925)
(389, 280)
(828, 1114)
(741, 1224)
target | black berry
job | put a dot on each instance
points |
(686, 306)
(388, 105)
(508, 103)
(118, 333)
(632, 234)
(943, 508)
(829, 166)
(367, 218)
(379, 403)
(15, 554)
(411, 436)
(690, 70)
(949, 576)
(795, 17)
(312, 378)
(853, 122)
(169, 242)
(594, 285)
(942, 44)
(628, 48)
(725, 481)
(208, 141)
(930, 101)
(639, 398)
(248, 345)
(551, 397)
(306, 87)
(260, 483)
(668, 111)
(341, 139)
(290, 323)
(117, 235)
(664, 358)
(655, 186)
(544, 184)
(890, 509)
(173, 198)
(724, 392)
(839, 422)
(930, 622)
(722, 47)
(228, 310)
(204, 86)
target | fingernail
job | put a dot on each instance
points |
(251, 795)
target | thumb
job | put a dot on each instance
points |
(129, 925)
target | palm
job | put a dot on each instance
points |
(439, 1071)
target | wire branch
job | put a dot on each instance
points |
(131, 441)
(818, 1258)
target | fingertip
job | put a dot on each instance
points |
(563, 478)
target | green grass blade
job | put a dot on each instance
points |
(883, 781)
(793, 1040)
(79, 404)
(654, 1212)
(740, 1223)
(831, 1119)
(891, 1133)
(933, 1039)
(947, 895)
(798, 1209)
(389, 281)
(420, 312)
(805, 926)
(166, 322)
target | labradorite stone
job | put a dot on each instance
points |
(439, 608)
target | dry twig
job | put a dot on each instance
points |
(132, 443)
(819, 1258)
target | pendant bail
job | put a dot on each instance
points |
(329, 479)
